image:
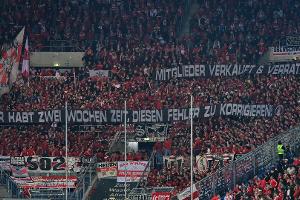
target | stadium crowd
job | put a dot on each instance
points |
(243, 134)
(49, 140)
(221, 32)
(231, 31)
(282, 182)
(115, 24)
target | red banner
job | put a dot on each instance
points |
(161, 195)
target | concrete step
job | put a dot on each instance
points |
(3, 192)
(193, 9)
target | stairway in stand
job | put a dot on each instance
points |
(3, 192)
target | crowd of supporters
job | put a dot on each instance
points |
(219, 136)
(49, 140)
(242, 134)
(115, 24)
(133, 38)
(230, 31)
(127, 33)
(143, 93)
(282, 182)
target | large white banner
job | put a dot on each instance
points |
(134, 170)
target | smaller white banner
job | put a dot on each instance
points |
(100, 73)
(284, 54)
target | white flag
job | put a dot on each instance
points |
(186, 194)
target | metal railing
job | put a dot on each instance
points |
(247, 166)
(148, 168)
(82, 192)
(12, 188)
(85, 181)
(146, 193)
(114, 141)
(182, 20)
(64, 45)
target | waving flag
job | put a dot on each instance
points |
(186, 194)
(9, 62)
(25, 65)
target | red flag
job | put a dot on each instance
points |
(25, 65)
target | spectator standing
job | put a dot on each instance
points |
(289, 155)
(167, 147)
(280, 151)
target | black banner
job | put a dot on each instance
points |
(206, 71)
(108, 189)
(139, 116)
(151, 133)
(86, 161)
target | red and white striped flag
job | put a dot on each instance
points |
(25, 65)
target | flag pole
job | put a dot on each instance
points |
(66, 140)
(191, 118)
(74, 77)
(125, 148)
(28, 78)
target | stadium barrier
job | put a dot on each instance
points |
(16, 192)
(85, 177)
(247, 166)
(64, 45)
(145, 174)
(150, 193)
(12, 188)
(85, 181)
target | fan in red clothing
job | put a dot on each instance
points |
(297, 192)
(216, 197)
(28, 152)
(55, 151)
(88, 152)
(167, 147)
(273, 182)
